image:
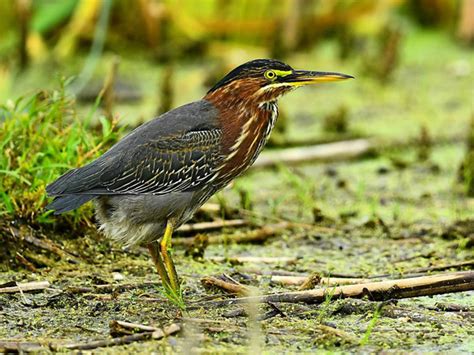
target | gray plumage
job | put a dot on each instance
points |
(152, 175)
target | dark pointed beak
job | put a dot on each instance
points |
(305, 77)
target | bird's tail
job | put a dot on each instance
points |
(66, 203)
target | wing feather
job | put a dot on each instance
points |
(168, 165)
(179, 151)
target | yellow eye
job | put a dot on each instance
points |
(270, 75)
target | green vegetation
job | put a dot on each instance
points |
(42, 137)
(407, 207)
(370, 326)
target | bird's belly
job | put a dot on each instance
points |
(141, 219)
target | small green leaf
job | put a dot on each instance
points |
(106, 126)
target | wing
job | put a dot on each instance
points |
(174, 164)
(178, 151)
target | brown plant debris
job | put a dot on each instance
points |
(127, 339)
(255, 236)
(13, 287)
(374, 291)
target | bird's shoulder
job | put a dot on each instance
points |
(196, 116)
(193, 126)
(178, 150)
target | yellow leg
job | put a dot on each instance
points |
(154, 248)
(168, 261)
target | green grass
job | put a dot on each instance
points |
(42, 137)
(370, 327)
(174, 296)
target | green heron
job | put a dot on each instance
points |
(154, 179)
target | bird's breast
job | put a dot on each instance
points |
(245, 143)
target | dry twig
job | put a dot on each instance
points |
(214, 225)
(118, 327)
(234, 288)
(327, 281)
(115, 298)
(14, 347)
(109, 287)
(255, 236)
(375, 291)
(253, 259)
(24, 287)
(461, 265)
(28, 264)
(43, 243)
(335, 151)
(320, 152)
(423, 270)
(155, 335)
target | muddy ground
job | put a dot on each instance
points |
(384, 216)
(376, 232)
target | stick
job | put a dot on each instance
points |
(26, 287)
(340, 150)
(253, 259)
(273, 272)
(114, 298)
(234, 288)
(320, 153)
(287, 280)
(118, 327)
(460, 265)
(327, 281)
(28, 264)
(422, 270)
(210, 226)
(133, 326)
(210, 207)
(107, 342)
(256, 236)
(375, 291)
(157, 334)
(450, 307)
(46, 244)
(13, 347)
(109, 287)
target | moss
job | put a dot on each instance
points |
(379, 221)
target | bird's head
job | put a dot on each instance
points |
(264, 80)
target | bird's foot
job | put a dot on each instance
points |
(167, 271)
(173, 287)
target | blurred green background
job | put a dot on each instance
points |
(76, 75)
(123, 62)
(169, 52)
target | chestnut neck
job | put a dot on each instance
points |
(246, 122)
(237, 105)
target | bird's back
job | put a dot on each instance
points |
(158, 155)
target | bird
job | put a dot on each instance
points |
(152, 181)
